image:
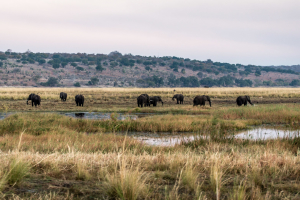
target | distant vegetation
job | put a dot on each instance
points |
(178, 70)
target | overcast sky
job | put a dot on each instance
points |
(261, 32)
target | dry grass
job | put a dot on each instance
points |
(123, 93)
(128, 174)
(49, 156)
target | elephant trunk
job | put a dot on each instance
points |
(162, 103)
(209, 103)
(173, 99)
(250, 102)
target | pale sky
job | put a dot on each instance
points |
(260, 32)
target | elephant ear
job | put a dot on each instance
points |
(248, 98)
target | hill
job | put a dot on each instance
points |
(117, 70)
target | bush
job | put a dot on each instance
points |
(1, 64)
(51, 82)
(73, 64)
(3, 57)
(295, 82)
(79, 68)
(63, 64)
(42, 61)
(77, 84)
(100, 68)
(148, 68)
(55, 65)
(94, 81)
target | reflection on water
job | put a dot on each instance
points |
(3, 115)
(166, 141)
(265, 134)
(81, 115)
(254, 134)
(104, 116)
(90, 115)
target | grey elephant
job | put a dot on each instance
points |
(243, 100)
(179, 98)
(30, 97)
(200, 100)
(36, 100)
(79, 99)
(155, 99)
(63, 96)
(143, 100)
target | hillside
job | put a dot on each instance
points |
(117, 70)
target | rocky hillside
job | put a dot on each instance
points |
(117, 70)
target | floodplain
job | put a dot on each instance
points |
(46, 154)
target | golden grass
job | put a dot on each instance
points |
(126, 171)
(129, 93)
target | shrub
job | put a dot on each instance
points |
(55, 65)
(94, 81)
(73, 64)
(51, 82)
(79, 68)
(77, 84)
(100, 68)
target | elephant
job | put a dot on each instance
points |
(179, 98)
(79, 99)
(36, 100)
(200, 100)
(30, 97)
(63, 96)
(243, 100)
(143, 100)
(155, 99)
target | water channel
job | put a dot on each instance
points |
(166, 139)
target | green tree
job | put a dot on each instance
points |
(55, 65)
(51, 82)
(94, 81)
(183, 71)
(63, 64)
(74, 64)
(80, 68)
(77, 84)
(1, 64)
(257, 73)
(100, 68)
(42, 61)
(295, 82)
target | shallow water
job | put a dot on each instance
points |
(254, 134)
(103, 116)
(90, 115)
(267, 133)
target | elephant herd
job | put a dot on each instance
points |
(145, 100)
(36, 99)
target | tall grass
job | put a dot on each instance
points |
(127, 181)
(129, 93)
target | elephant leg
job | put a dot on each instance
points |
(177, 101)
